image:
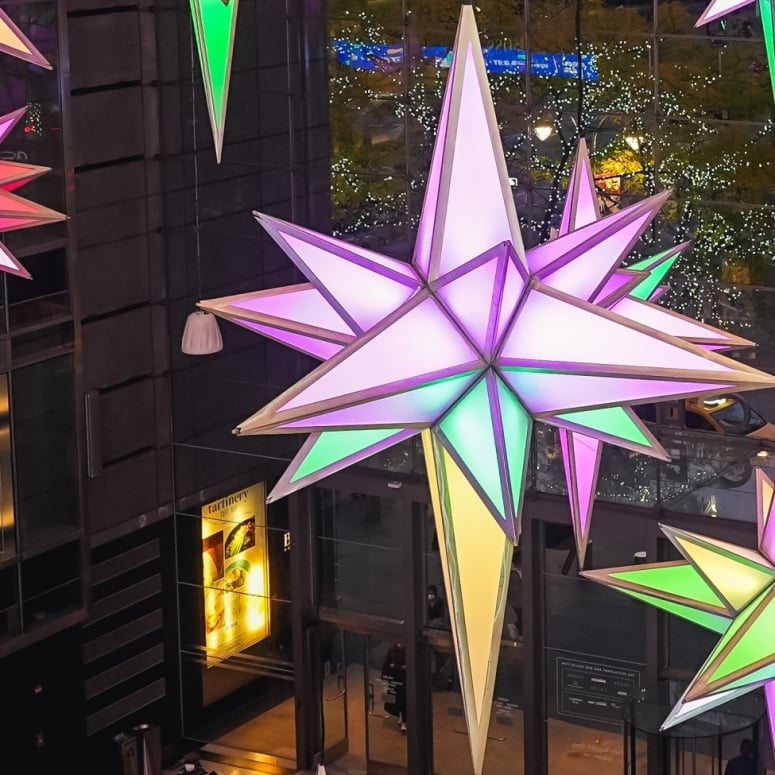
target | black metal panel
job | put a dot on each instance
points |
(117, 349)
(113, 222)
(128, 420)
(104, 49)
(126, 706)
(116, 183)
(113, 567)
(133, 630)
(109, 124)
(93, 5)
(115, 276)
(131, 667)
(126, 598)
(124, 490)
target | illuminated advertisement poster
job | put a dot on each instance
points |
(235, 572)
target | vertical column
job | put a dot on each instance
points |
(306, 662)
(418, 680)
(533, 671)
(658, 747)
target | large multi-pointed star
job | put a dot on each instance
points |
(726, 588)
(628, 292)
(718, 8)
(476, 338)
(472, 342)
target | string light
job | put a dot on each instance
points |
(713, 165)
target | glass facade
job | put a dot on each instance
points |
(660, 104)
(42, 552)
(318, 627)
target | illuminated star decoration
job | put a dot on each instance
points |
(215, 22)
(726, 588)
(15, 43)
(628, 292)
(16, 212)
(718, 8)
(469, 344)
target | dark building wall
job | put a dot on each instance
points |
(157, 225)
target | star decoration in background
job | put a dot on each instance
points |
(719, 8)
(16, 212)
(15, 43)
(469, 344)
(726, 588)
(215, 23)
(628, 292)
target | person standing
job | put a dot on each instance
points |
(744, 763)
(394, 675)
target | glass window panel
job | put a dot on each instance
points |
(45, 296)
(45, 455)
(595, 648)
(360, 552)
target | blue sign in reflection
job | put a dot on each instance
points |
(385, 56)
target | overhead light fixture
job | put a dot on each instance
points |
(634, 140)
(201, 336)
(543, 128)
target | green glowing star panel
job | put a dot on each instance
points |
(215, 23)
(472, 342)
(726, 588)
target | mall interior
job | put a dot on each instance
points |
(123, 487)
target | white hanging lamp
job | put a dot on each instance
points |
(201, 336)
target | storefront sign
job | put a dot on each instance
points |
(594, 688)
(235, 572)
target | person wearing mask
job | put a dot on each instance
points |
(436, 611)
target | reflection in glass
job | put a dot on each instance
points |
(360, 552)
(44, 442)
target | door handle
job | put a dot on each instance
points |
(341, 684)
(91, 400)
(370, 700)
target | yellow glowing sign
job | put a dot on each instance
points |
(235, 572)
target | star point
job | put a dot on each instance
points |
(725, 588)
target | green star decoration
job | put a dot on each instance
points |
(725, 588)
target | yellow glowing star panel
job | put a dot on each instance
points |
(726, 588)
(477, 590)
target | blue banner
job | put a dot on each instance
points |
(386, 57)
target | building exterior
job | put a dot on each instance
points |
(143, 579)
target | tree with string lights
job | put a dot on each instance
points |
(685, 141)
